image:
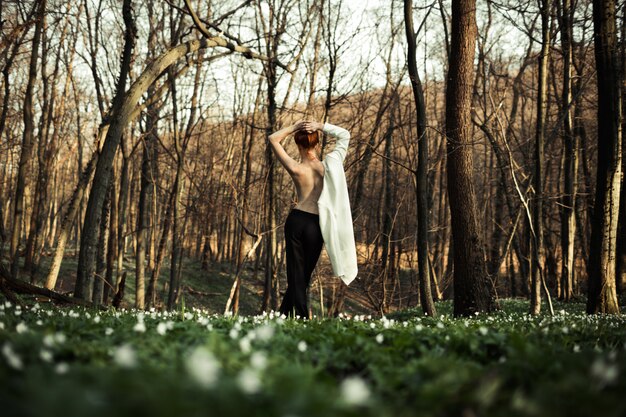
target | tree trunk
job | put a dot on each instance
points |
(176, 196)
(602, 296)
(110, 287)
(422, 191)
(621, 233)
(537, 274)
(568, 221)
(123, 104)
(122, 114)
(471, 282)
(27, 145)
(145, 201)
(270, 301)
(72, 212)
(99, 283)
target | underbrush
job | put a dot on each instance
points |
(77, 361)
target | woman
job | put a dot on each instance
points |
(322, 214)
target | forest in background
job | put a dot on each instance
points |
(134, 137)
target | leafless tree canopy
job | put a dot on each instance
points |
(485, 160)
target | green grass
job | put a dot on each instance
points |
(216, 281)
(503, 364)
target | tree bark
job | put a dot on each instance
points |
(471, 291)
(123, 105)
(421, 190)
(568, 221)
(621, 234)
(602, 296)
(27, 145)
(537, 274)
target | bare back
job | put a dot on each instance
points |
(309, 181)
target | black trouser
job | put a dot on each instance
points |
(303, 240)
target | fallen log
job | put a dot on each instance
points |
(23, 287)
(196, 292)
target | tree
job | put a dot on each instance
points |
(602, 295)
(570, 159)
(421, 190)
(471, 293)
(537, 275)
(102, 174)
(27, 144)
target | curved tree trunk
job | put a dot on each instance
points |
(119, 113)
(120, 120)
(421, 190)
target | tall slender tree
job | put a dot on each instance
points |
(602, 295)
(421, 189)
(540, 127)
(570, 158)
(26, 154)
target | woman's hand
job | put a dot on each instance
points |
(310, 127)
(299, 125)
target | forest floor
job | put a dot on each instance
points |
(209, 289)
(74, 361)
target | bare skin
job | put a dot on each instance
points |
(308, 174)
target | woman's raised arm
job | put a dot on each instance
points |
(275, 138)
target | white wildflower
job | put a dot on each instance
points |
(59, 337)
(161, 328)
(45, 355)
(140, 327)
(605, 373)
(354, 390)
(249, 381)
(483, 330)
(244, 344)
(380, 338)
(61, 368)
(21, 327)
(108, 331)
(125, 356)
(258, 360)
(48, 340)
(302, 346)
(203, 367)
(12, 358)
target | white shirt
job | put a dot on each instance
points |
(334, 209)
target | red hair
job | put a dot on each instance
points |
(306, 140)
